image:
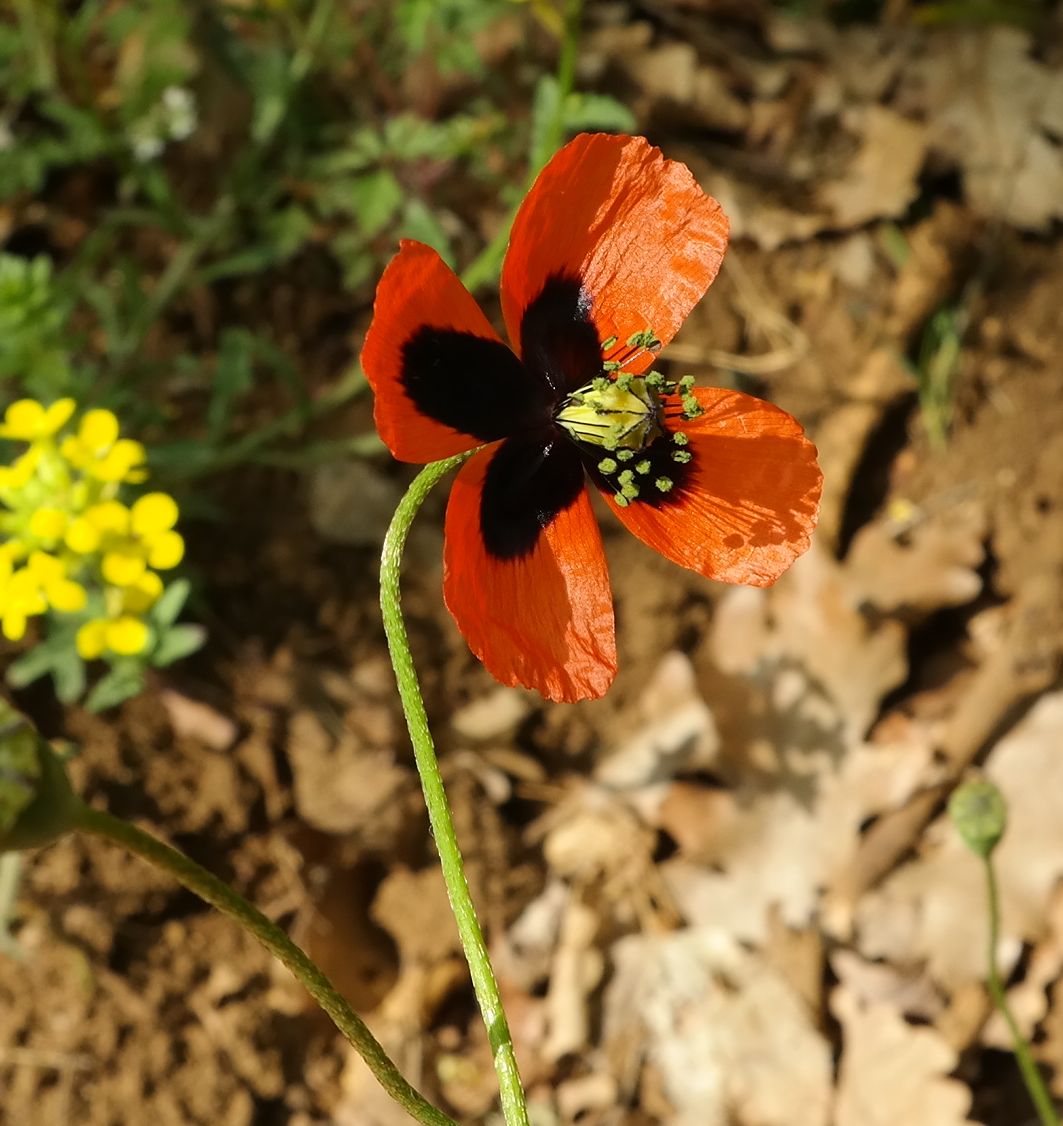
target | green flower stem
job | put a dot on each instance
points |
(483, 979)
(218, 894)
(1031, 1075)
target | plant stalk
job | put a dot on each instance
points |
(218, 894)
(1031, 1075)
(514, 1108)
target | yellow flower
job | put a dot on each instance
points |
(127, 636)
(166, 551)
(98, 431)
(48, 523)
(67, 596)
(82, 536)
(19, 474)
(109, 518)
(123, 462)
(139, 597)
(20, 599)
(50, 577)
(29, 421)
(122, 568)
(97, 450)
(153, 513)
(91, 639)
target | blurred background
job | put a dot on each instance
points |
(725, 894)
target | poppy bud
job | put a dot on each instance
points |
(37, 805)
(978, 811)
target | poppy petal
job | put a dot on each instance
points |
(524, 574)
(742, 509)
(635, 230)
(444, 381)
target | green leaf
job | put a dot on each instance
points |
(375, 199)
(68, 672)
(233, 377)
(419, 223)
(164, 613)
(177, 643)
(589, 112)
(120, 684)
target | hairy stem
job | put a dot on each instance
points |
(218, 894)
(472, 939)
(1031, 1075)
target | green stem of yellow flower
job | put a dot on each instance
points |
(218, 894)
(483, 979)
(1031, 1075)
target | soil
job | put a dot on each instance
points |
(277, 756)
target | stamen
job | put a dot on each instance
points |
(664, 484)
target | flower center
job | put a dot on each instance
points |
(616, 414)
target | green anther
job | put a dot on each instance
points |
(681, 456)
(686, 384)
(626, 477)
(680, 438)
(621, 500)
(630, 490)
(607, 466)
(664, 484)
(609, 441)
(643, 466)
(654, 379)
(624, 381)
(611, 365)
(599, 385)
(625, 455)
(609, 344)
(691, 407)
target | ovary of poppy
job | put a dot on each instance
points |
(609, 252)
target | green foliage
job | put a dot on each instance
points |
(172, 166)
(32, 326)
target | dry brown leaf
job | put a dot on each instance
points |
(934, 565)
(761, 852)
(730, 1038)
(807, 646)
(194, 719)
(994, 110)
(883, 178)
(677, 733)
(575, 973)
(342, 787)
(892, 1072)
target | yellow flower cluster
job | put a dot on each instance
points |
(70, 544)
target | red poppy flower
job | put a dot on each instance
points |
(609, 252)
